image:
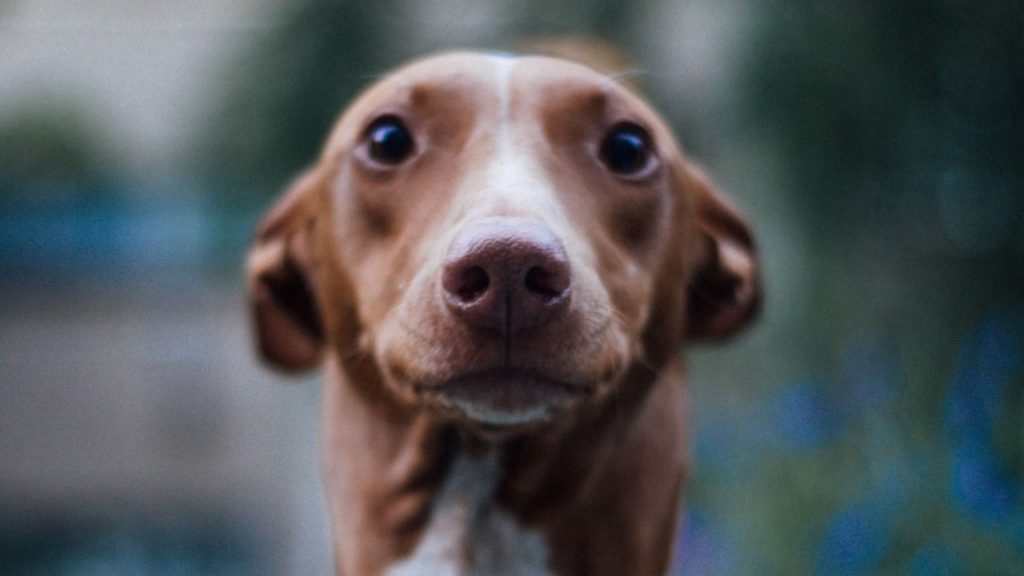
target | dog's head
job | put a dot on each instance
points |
(498, 240)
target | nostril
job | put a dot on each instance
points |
(474, 282)
(465, 283)
(544, 283)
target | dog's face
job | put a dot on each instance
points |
(498, 240)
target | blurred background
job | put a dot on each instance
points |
(871, 423)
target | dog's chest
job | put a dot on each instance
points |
(468, 535)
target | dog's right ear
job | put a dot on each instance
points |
(280, 280)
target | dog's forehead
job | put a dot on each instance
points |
(495, 72)
(485, 80)
(493, 86)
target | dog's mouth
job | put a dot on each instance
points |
(503, 399)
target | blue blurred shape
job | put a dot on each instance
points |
(125, 229)
(987, 364)
(856, 540)
(806, 416)
(67, 239)
(936, 560)
(701, 550)
(980, 485)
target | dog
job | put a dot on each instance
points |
(497, 260)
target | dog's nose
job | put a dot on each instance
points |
(506, 275)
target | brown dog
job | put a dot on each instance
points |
(498, 259)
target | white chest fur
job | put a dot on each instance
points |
(468, 535)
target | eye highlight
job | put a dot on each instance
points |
(389, 141)
(626, 150)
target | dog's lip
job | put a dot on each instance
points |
(500, 377)
(500, 398)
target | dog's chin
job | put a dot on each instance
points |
(504, 401)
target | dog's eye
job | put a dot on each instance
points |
(389, 140)
(626, 150)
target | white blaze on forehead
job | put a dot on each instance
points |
(503, 69)
(513, 178)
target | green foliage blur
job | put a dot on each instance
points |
(902, 133)
(50, 152)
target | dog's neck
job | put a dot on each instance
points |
(468, 533)
(410, 493)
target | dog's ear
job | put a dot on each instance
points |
(724, 282)
(281, 288)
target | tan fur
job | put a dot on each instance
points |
(346, 270)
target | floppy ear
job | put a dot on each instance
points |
(724, 283)
(279, 269)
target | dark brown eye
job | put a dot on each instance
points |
(389, 140)
(626, 150)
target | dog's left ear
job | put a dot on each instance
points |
(724, 282)
(279, 277)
